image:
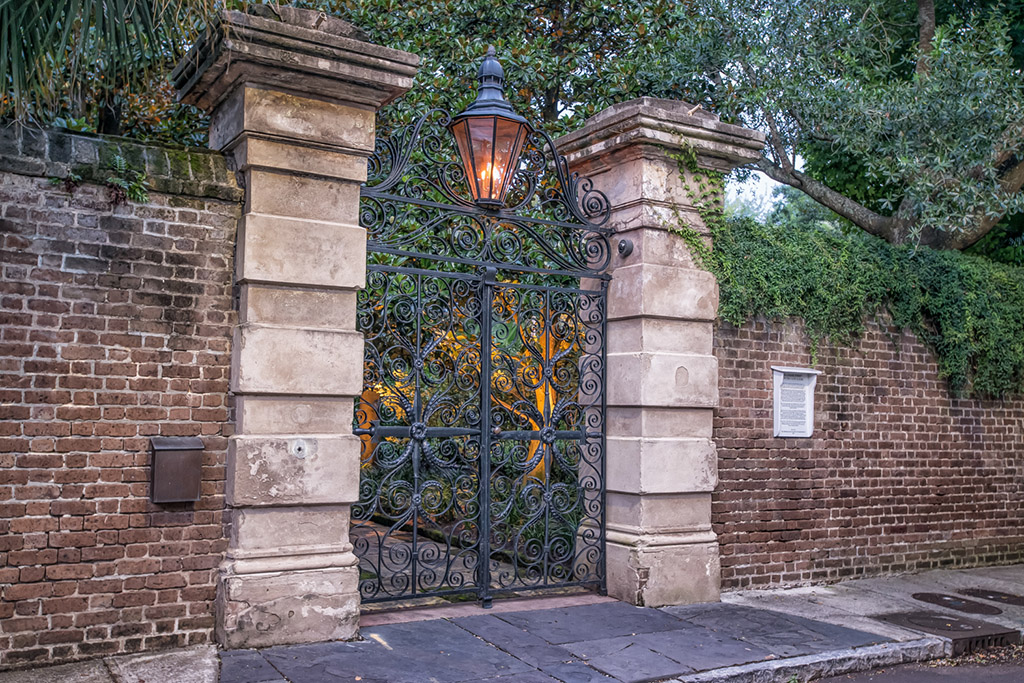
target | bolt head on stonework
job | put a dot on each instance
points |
(490, 136)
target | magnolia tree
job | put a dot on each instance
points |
(910, 124)
(565, 59)
(907, 120)
(930, 122)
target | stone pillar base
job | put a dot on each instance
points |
(660, 575)
(277, 608)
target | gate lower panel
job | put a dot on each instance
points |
(439, 346)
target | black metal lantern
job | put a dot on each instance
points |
(490, 136)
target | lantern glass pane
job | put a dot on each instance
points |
(481, 135)
(489, 147)
(460, 130)
(508, 143)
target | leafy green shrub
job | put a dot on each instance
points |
(968, 308)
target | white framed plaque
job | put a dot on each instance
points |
(793, 401)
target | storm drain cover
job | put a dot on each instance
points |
(967, 635)
(940, 623)
(994, 596)
(959, 604)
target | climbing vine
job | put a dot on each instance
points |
(968, 309)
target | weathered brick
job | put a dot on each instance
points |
(95, 301)
(898, 476)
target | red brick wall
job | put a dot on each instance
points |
(898, 476)
(116, 324)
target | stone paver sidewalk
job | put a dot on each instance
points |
(189, 665)
(603, 642)
(763, 636)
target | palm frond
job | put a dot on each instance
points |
(51, 48)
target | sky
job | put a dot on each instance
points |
(754, 195)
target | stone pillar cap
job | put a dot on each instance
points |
(302, 52)
(673, 124)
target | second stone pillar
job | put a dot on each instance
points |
(662, 375)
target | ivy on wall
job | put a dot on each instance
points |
(969, 309)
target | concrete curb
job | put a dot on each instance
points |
(823, 664)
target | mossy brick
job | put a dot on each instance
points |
(55, 169)
(179, 162)
(134, 156)
(33, 142)
(202, 169)
(107, 151)
(22, 165)
(156, 162)
(221, 168)
(85, 150)
(222, 191)
(60, 147)
(166, 185)
(10, 140)
(87, 172)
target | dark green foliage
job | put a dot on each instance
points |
(811, 264)
(900, 133)
(967, 308)
(1005, 243)
(1013, 10)
(564, 61)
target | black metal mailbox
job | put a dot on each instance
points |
(177, 468)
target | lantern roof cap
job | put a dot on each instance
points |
(490, 97)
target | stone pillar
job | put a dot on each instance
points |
(293, 96)
(662, 375)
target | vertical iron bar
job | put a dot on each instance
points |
(415, 417)
(487, 311)
(602, 547)
(547, 329)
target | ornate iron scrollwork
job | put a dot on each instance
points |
(482, 415)
(415, 201)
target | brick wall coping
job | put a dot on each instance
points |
(169, 169)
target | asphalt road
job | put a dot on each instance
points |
(922, 673)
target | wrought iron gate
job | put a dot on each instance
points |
(482, 417)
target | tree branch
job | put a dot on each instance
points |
(926, 32)
(889, 228)
(1011, 182)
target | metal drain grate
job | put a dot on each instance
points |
(994, 596)
(959, 604)
(966, 635)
